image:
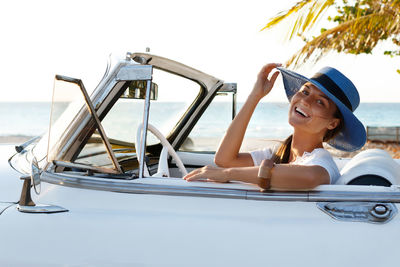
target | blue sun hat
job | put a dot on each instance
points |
(343, 93)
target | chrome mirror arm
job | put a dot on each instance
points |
(26, 199)
(27, 205)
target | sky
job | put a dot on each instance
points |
(74, 38)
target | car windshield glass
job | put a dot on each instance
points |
(175, 95)
(66, 103)
(209, 130)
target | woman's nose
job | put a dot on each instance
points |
(307, 100)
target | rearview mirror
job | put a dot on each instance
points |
(137, 90)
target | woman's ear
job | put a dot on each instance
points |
(333, 123)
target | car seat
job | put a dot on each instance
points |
(371, 167)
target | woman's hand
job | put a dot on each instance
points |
(264, 85)
(209, 173)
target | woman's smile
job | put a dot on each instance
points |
(302, 112)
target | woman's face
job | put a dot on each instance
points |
(312, 111)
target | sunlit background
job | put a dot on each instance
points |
(223, 38)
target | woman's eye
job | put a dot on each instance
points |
(320, 102)
(304, 92)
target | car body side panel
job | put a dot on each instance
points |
(10, 184)
(105, 228)
(4, 206)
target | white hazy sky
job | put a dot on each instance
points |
(42, 38)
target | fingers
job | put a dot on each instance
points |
(191, 174)
(196, 177)
(207, 172)
(273, 77)
(267, 68)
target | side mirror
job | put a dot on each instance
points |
(35, 175)
(26, 203)
(137, 90)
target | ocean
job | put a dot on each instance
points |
(269, 119)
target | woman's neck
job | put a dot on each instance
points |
(303, 142)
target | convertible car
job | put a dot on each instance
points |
(103, 186)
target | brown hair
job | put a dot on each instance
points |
(283, 153)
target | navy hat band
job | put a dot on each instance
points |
(333, 88)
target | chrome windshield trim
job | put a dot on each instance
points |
(134, 187)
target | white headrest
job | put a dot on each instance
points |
(374, 162)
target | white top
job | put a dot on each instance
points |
(318, 156)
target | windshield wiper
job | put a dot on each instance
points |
(90, 169)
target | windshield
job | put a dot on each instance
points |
(174, 97)
(66, 102)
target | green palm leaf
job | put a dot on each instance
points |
(360, 27)
(307, 11)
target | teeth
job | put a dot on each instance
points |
(302, 112)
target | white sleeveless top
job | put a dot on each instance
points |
(318, 156)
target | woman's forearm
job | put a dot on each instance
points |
(227, 154)
(283, 176)
(288, 176)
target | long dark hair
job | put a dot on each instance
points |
(283, 153)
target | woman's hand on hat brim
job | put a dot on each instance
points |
(265, 83)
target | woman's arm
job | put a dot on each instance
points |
(283, 176)
(228, 154)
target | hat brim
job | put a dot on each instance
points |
(352, 136)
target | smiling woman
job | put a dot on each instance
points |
(321, 110)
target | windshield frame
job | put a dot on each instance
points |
(106, 92)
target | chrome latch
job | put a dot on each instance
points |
(370, 212)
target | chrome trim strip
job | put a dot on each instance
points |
(139, 188)
(327, 196)
(277, 196)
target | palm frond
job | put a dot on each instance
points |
(356, 36)
(285, 14)
(307, 11)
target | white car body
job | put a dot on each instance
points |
(159, 221)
